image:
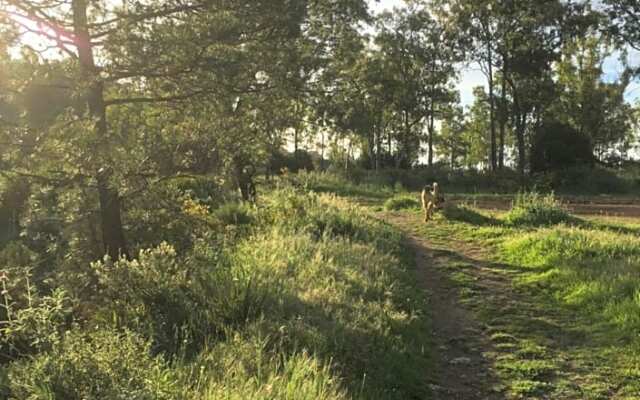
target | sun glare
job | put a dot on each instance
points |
(42, 38)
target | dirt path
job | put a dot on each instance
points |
(462, 371)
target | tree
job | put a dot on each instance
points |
(594, 108)
(481, 20)
(452, 143)
(625, 21)
(419, 61)
(477, 131)
(557, 146)
(155, 57)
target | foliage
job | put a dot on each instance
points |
(535, 209)
(313, 297)
(171, 301)
(94, 365)
(401, 202)
(583, 179)
(557, 146)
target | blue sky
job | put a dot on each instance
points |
(471, 76)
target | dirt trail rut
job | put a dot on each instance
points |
(461, 370)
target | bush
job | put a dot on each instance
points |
(534, 209)
(234, 214)
(29, 322)
(402, 202)
(557, 146)
(313, 301)
(102, 364)
(173, 300)
(584, 179)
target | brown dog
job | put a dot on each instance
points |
(432, 198)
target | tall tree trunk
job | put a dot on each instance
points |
(379, 133)
(113, 239)
(520, 132)
(492, 104)
(503, 114)
(390, 149)
(347, 157)
(403, 145)
(371, 142)
(453, 158)
(431, 132)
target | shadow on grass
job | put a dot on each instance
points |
(373, 363)
(466, 214)
(531, 333)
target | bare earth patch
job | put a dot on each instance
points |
(462, 370)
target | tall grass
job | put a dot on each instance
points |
(301, 297)
(402, 202)
(534, 209)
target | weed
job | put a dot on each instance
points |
(402, 202)
(534, 209)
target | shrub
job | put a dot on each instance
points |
(170, 299)
(557, 145)
(585, 179)
(534, 209)
(102, 364)
(176, 211)
(324, 215)
(402, 202)
(29, 322)
(234, 214)
(35, 327)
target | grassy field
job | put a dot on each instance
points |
(307, 295)
(558, 296)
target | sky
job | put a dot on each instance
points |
(471, 76)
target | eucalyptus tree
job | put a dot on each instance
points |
(594, 108)
(480, 21)
(452, 143)
(173, 62)
(419, 62)
(625, 20)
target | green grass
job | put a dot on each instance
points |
(303, 296)
(402, 202)
(566, 324)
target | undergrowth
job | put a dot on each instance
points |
(303, 296)
(401, 202)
